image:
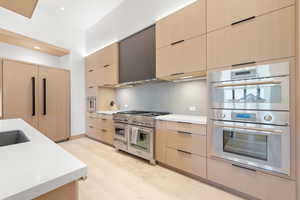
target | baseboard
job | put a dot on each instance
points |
(74, 137)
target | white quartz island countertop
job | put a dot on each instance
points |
(184, 118)
(29, 170)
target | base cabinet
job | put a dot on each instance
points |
(66, 192)
(100, 127)
(253, 183)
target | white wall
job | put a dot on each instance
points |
(129, 17)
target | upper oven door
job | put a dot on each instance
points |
(121, 132)
(254, 94)
(261, 146)
(141, 138)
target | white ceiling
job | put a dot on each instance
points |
(79, 14)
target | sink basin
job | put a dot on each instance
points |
(12, 138)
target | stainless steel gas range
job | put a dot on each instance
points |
(134, 132)
(250, 116)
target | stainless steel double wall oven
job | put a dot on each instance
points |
(250, 116)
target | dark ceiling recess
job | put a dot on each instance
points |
(137, 56)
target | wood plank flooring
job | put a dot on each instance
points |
(118, 176)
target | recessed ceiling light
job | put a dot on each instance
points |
(37, 47)
(62, 8)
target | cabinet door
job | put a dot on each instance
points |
(263, 38)
(54, 103)
(91, 76)
(21, 93)
(110, 75)
(160, 144)
(187, 56)
(224, 13)
(184, 24)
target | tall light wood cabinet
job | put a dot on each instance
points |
(20, 91)
(54, 107)
(39, 95)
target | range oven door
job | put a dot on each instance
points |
(252, 94)
(121, 136)
(260, 146)
(141, 141)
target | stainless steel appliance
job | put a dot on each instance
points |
(260, 88)
(250, 118)
(134, 133)
(91, 104)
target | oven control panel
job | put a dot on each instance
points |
(264, 117)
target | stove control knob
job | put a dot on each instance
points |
(268, 117)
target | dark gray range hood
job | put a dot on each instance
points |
(137, 58)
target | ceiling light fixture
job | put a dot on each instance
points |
(62, 8)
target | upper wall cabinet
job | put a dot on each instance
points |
(270, 36)
(223, 13)
(182, 25)
(102, 67)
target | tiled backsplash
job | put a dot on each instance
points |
(176, 97)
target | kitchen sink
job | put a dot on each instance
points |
(12, 137)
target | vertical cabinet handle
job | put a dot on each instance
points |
(44, 96)
(33, 95)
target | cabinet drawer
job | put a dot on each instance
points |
(185, 57)
(91, 76)
(267, 37)
(107, 136)
(182, 127)
(91, 91)
(257, 184)
(224, 13)
(190, 163)
(190, 142)
(100, 122)
(183, 24)
(93, 132)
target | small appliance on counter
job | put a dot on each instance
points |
(134, 132)
(250, 117)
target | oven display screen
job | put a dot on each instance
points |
(244, 116)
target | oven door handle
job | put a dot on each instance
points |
(249, 84)
(251, 129)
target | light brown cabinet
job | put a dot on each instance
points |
(20, 89)
(100, 127)
(102, 67)
(263, 38)
(184, 24)
(254, 183)
(182, 146)
(54, 106)
(182, 58)
(39, 95)
(223, 13)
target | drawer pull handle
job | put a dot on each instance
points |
(177, 74)
(184, 132)
(103, 130)
(91, 87)
(185, 152)
(91, 127)
(243, 20)
(242, 167)
(105, 66)
(246, 63)
(91, 70)
(103, 119)
(177, 42)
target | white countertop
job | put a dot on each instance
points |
(184, 118)
(31, 169)
(110, 112)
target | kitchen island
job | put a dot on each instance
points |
(38, 168)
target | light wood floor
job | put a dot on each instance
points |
(117, 176)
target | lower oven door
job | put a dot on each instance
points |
(121, 132)
(261, 146)
(141, 141)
